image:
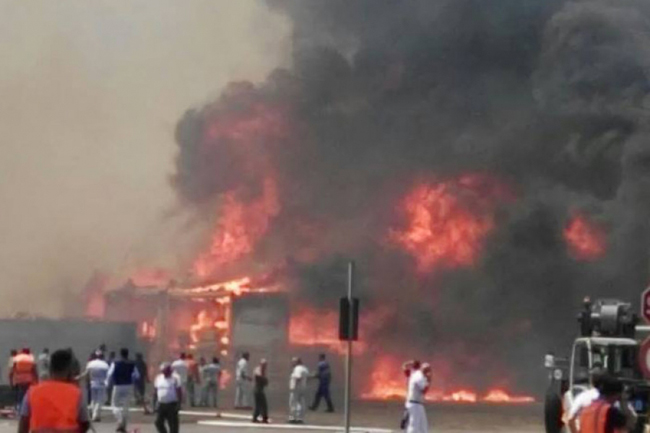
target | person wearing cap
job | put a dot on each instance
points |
(610, 412)
(417, 388)
(168, 396)
(297, 391)
(55, 405)
(260, 382)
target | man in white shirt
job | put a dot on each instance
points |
(584, 400)
(168, 397)
(97, 374)
(181, 368)
(43, 365)
(418, 386)
(242, 377)
(297, 391)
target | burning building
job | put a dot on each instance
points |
(485, 164)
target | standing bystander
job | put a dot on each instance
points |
(210, 378)
(193, 379)
(242, 378)
(43, 364)
(180, 367)
(260, 382)
(297, 391)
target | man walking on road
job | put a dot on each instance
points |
(418, 386)
(122, 374)
(55, 404)
(324, 376)
(141, 382)
(97, 374)
(168, 397)
(297, 392)
(242, 377)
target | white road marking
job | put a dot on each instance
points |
(194, 413)
(293, 426)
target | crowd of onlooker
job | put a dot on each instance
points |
(116, 380)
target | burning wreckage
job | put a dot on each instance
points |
(483, 166)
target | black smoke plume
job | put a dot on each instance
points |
(550, 96)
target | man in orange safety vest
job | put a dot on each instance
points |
(55, 405)
(23, 374)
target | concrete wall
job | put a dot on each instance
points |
(82, 336)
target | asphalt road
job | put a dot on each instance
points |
(367, 417)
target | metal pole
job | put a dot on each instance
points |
(348, 357)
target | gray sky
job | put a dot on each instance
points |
(89, 96)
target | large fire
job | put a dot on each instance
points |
(586, 240)
(448, 221)
(310, 327)
(213, 323)
(387, 382)
(239, 133)
(239, 228)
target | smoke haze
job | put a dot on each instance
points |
(91, 92)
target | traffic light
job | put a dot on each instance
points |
(345, 333)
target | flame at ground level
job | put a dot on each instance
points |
(388, 383)
(383, 392)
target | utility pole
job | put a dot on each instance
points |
(348, 358)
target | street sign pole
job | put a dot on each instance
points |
(348, 357)
(645, 305)
(644, 358)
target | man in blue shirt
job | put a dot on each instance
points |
(324, 376)
(122, 375)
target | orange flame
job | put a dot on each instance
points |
(239, 228)
(147, 330)
(586, 240)
(500, 396)
(448, 221)
(318, 328)
(387, 382)
(310, 327)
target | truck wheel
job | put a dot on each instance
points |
(553, 412)
(640, 427)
